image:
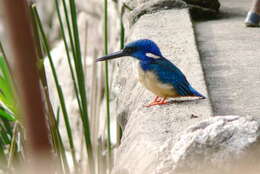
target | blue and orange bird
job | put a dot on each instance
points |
(156, 73)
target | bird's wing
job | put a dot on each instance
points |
(168, 73)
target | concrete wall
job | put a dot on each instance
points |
(179, 137)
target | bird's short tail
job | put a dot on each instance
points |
(196, 93)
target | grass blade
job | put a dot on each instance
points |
(13, 145)
(2, 50)
(6, 114)
(69, 27)
(58, 87)
(3, 159)
(53, 125)
(122, 28)
(122, 44)
(67, 52)
(81, 85)
(6, 88)
(107, 84)
(7, 126)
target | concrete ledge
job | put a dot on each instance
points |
(199, 8)
(147, 130)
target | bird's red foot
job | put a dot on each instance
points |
(157, 101)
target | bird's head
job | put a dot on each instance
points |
(142, 50)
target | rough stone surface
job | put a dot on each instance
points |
(147, 129)
(224, 144)
(152, 6)
(199, 8)
(210, 4)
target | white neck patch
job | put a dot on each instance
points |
(152, 55)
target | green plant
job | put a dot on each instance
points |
(9, 124)
(11, 147)
(107, 82)
(8, 108)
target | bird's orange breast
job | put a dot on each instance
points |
(149, 80)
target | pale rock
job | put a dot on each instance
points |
(223, 144)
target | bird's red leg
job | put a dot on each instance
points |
(163, 102)
(157, 101)
(154, 102)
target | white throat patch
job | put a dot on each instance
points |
(152, 55)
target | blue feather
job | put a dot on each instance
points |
(196, 93)
(168, 73)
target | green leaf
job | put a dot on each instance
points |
(5, 136)
(6, 91)
(6, 114)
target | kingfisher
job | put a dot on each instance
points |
(155, 72)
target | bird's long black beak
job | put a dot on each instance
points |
(114, 55)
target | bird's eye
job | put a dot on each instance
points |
(129, 49)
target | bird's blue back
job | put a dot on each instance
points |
(168, 73)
